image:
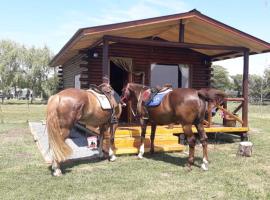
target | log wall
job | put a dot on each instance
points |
(143, 57)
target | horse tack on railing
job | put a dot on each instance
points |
(232, 116)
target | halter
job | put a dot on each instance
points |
(135, 114)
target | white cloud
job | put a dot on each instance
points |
(111, 13)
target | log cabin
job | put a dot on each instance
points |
(177, 49)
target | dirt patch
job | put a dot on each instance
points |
(16, 132)
(15, 135)
(23, 155)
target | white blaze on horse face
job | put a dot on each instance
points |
(141, 152)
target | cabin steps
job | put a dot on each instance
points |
(128, 140)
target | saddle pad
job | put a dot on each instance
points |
(103, 100)
(156, 100)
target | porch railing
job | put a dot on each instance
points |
(229, 117)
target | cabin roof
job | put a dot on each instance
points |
(199, 29)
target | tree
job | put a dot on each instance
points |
(9, 65)
(220, 80)
(237, 84)
(22, 67)
(38, 70)
(255, 87)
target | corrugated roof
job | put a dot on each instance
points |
(199, 29)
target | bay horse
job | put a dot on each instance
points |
(68, 107)
(183, 106)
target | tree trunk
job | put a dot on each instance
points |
(245, 149)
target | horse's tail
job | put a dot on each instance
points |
(57, 143)
(210, 94)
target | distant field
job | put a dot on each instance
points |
(24, 175)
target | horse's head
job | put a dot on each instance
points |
(132, 90)
(126, 94)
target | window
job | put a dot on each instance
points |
(77, 81)
(176, 75)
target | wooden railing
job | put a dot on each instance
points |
(228, 116)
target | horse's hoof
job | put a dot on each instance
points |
(112, 158)
(204, 166)
(188, 167)
(140, 156)
(57, 172)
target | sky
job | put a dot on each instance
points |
(53, 22)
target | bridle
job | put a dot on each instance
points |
(126, 97)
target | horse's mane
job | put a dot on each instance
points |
(137, 85)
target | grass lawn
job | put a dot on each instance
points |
(24, 175)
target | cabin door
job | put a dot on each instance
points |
(119, 77)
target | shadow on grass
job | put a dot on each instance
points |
(67, 166)
(223, 138)
(172, 159)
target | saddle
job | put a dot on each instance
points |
(155, 94)
(151, 98)
(113, 99)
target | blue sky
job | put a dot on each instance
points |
(52, 23)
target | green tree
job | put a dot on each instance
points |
(220, 79)
(255, 87)
(22, 67)
(237, 84)
(10, 63)
(37, 61)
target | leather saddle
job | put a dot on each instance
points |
(112, 96)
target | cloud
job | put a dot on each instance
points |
(112, 13)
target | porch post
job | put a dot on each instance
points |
(105, 61)
(245, 88)
(181, 31)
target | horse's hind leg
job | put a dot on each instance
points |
(112, 157)
(143, 131)
(153, 133)
(203, 139)
(192, 142)
(56, 170)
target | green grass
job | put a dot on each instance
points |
(24, 175)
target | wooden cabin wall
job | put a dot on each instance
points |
(70, 69)
(143, 57)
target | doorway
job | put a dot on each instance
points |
(118, 79)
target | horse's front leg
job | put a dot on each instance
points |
(143, 132)
(203, 139)
(152, 137)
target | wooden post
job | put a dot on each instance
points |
(105, 61)
(245, 89)
(181, 31)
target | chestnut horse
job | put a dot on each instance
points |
(69, 107)
(183, 106)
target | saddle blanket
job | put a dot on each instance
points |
(103, 100)
(156, 100)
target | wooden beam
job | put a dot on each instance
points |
(105, 61)
(223, 54)
(181, 31)
(172, 44)
(245, 89)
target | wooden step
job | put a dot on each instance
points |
(165, 148)
(135, 142)
(164, 130)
